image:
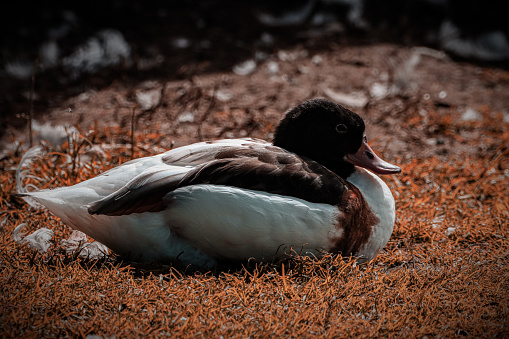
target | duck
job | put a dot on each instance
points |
(315, 189)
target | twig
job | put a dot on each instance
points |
(31, 102)
(212, 103)
(132, 132)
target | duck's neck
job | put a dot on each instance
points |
(341, 167)
(319, 154)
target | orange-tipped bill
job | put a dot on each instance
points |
(365, 157)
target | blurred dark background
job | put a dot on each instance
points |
(74, 45)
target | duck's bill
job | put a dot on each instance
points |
(365, 157)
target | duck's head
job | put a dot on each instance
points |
(331, 135)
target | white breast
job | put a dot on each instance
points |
(380, 200)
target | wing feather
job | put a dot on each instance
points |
(277, 172)
(257, 167)
(144, 193)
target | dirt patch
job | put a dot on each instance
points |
(390, 86)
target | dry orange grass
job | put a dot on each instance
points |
(444, 273)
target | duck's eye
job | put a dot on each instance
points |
(340, 128)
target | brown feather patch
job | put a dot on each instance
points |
(270, 169)
(356, 223)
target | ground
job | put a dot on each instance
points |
(445, 271)
(388, 85)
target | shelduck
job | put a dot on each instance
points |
(307, 192)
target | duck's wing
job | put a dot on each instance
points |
(143, 193)
(270, 169)
(152, 177)
(267, 168)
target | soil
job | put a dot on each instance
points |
(387, 84)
